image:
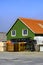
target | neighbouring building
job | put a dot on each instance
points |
(3, 37)
(3, 40)
(25, 29)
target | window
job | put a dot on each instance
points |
(13, 33)
(24, 32)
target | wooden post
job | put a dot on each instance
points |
(19, 46)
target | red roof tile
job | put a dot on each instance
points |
(35, 26)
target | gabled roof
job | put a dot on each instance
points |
(35, 26)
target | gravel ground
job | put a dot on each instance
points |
(21, 58)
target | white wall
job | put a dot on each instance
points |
(39, 39)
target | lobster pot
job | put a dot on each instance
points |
(20, 46)
(10, 46)
(2, 46)
(37, 48)
(16, 47)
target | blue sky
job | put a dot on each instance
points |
(10, 10)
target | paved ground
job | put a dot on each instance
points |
(21, 58)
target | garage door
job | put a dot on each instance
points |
(41, 48)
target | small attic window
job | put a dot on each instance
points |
(24, 32)
(13, 33)
(40, 25)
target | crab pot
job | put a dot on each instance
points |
(2, 46)
(20, 46)
(10, 46)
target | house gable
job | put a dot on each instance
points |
(18, 26)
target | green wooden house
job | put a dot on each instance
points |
(24, 29)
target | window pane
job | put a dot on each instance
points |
(25, 32)
(13, 32)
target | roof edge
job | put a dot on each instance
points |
(27, 26)
(12, 26)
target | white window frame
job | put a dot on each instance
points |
(23, 31)
(15, 33)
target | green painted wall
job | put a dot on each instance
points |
(18, 26)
